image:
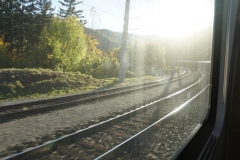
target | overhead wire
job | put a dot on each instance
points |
(102, 11)
(149, 18)
(122, 17)
(139, 11)
(131, 6)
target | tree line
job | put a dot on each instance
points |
(31, 36)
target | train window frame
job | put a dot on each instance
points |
(203, 145)
(208, 133)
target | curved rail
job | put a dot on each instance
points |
(8, 113)
(46, 148)
(78, 96)
(147, 130)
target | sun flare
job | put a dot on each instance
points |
(174, 18)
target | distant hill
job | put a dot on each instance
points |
(109, 39)
(190, 46)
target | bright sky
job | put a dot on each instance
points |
(167, 18)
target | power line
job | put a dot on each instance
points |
(131, 6)
(118, 16)
(102, 11)
(108, 12)
(144, 26)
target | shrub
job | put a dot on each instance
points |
(130, 74)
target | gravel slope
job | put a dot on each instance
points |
(30, 131)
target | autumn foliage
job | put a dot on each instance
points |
(64, 46)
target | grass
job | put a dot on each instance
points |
(35, 83)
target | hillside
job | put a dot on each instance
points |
(106, 38)
(109, 39)
(16, 83)
(45, 83)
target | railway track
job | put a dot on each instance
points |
(15, 111)
(114, 136)
(167, 137)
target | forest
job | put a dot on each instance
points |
(33, 34)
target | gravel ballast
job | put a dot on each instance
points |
(19, 134)
(169, 138)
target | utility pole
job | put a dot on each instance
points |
(124, 42)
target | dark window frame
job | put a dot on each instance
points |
(205, 142)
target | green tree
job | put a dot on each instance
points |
(19, 25)
(6, 61)
(96, 63)
(71, 10)
(129, 59)
(62, 45)
(44, 15)
(10, 27)
(92, 57)
(29, 26)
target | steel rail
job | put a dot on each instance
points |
(47, 147)
(77, 96)
(37, 110)
(143, 134)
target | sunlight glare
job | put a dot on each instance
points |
(174, 18)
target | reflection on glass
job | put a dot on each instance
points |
(51, 49)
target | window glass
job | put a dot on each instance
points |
(139, 69)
